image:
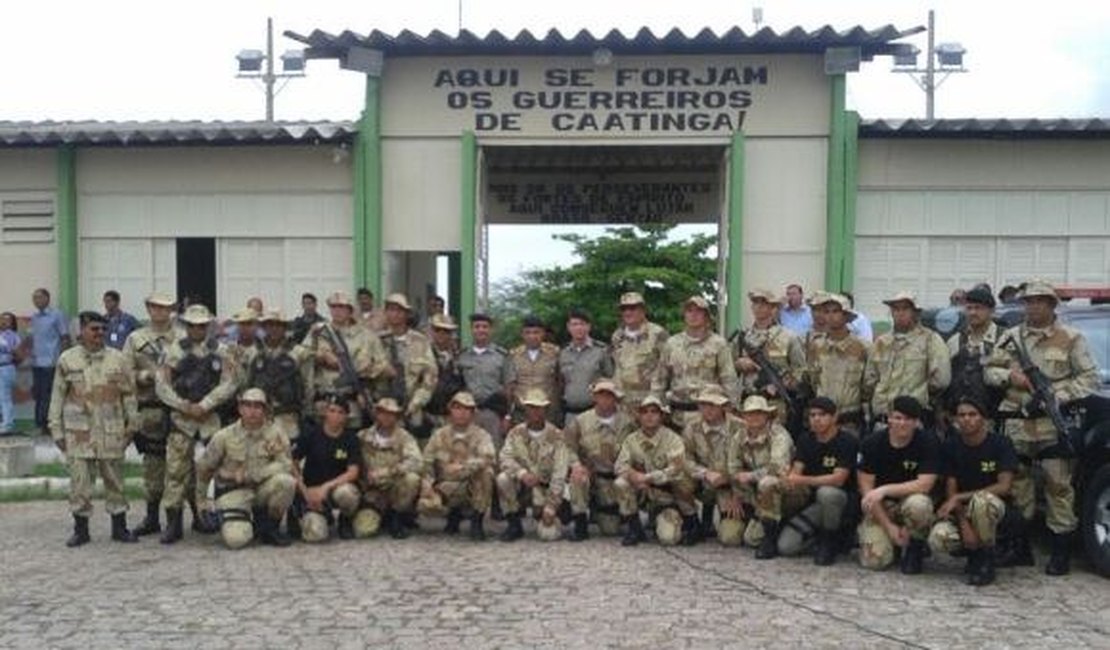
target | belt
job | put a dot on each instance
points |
(684, 406)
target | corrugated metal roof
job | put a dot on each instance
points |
(324, 45)
(43, 134)
(986, 128)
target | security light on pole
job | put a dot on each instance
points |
(945, 59)
(256, 64)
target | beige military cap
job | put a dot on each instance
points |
(606, 385)
(443, 322)
(836, 299)
(273, 316)
(247, 315)
(763, 294)
(652, 400)
(1038, 287)
(631, 299)
(389, 405)
(697, 301)
(902, 296)
(340, 298)
(253, 395)
(535, 397)
(398, 299)
(197, 315)
(713, 394)
(817, 297)
(159, 299)
(757, 403)
(463, 398)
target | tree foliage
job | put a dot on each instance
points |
(638, 258)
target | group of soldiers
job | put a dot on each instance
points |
(767, 439)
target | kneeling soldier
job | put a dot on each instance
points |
(707, 442)
(758, 461)
(534, 465)
(978, 466)
(328, 480)
(254, 475)
(393, 463)
(822, 472)
(897, 470)
(652, 475)
(459, 459)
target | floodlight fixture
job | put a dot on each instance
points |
(250, 60)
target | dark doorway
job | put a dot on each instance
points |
(196, 271)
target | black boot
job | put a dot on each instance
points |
(581, 528)
(515, 530)
(119, 529)
(454, 518)
(409, 519)
(707, 529)
(398, 528)
(269, 530)
(204, 521)
(1018, 550)
(769, 546)
(971, 567)
(345, 527)
(634, 533)
(912, 557)
(691, 530)
(984, 569)
(1059, 563)
(173, 531)
(477, 533)
(824, 553)
(151, 524)
(293, 525)
(80, 532)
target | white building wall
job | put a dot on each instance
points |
(27, 174)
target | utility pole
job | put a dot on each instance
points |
(943, 59)
(930, 68)
(268, 78)
(259, 65)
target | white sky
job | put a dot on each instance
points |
(127, 59)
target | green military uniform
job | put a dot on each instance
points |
(541, 453)
(395, 459)
(767, 454)
(913, 363)
(594, 443)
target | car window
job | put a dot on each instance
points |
(1097, 331)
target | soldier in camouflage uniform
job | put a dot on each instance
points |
(594, 439)
(653, 474)
(534, 364)
(758, 461)
(242, 350)
(781, 347)
(534, 465)
(416, 372)
(253, 469)
(837, 362)
(448, 378)
(143, 350)
(196, 377)
(708, 438)
(1062, 354)
(637, 350)
(484, 367)
(393, 464)
(363, 347)
(692, 359)
(971, 350)
(460, 459)
(282, 368)
(909, 360)
(93, 414)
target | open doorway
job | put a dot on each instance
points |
(196, 271)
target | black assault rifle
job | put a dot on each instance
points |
(348, 376)
(1044, 402)
(769, 375)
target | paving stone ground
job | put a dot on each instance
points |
(431, 591)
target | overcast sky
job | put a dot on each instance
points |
(127, 60)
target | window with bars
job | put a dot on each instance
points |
(26, 219)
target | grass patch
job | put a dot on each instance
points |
(25, 494)
(59, 470)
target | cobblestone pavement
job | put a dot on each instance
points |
(436, 592)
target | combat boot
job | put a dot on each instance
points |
(912, 557)
(634, 533)
(515, 530)
(581, 528)
(204, 521)
(477, 533)
(824, 553)
(293, 524)
(173, 531)
(984, 569)
(119, 529)
(80, 532)
(150, 524)
(269, 531)
(691, 530)
(454, 518)
(769, 545)
(1059, 563)
(707, 529)
(397, 527)
(1018, 551)
(345, 527)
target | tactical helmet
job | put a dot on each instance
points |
(367, 522)
(549, 532)
(608, 524)
(314, 527)
(730, 532)
(668, 527)
(237, 532)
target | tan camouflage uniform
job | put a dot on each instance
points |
(785, 352)
(367, 356)
(546, 456)
(472, 485)
(595, 443)
(767, 453)
(708, 450)
(543, 373)
(914, 512)
(662, 456)
(397, 457)
(94, 410)
(836, 371)
(287, 417)
(143, 350)
(421, 372)
(984, 511)
(636, 358)
(687, 366)
(913, 363)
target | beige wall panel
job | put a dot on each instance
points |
(28, 169)
(421, 180)
(983, 164)
(774, 270)
(27, 267)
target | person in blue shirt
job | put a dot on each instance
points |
(120, 323)
(49, 336)
(9, 359)
(795, 314)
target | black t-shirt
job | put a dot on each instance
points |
(823, 458)
(975, 468)
(325, 457)
(892, 465)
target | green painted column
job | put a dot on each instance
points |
(66, 228)
(368, 192)
(851, 186)
(834, 209)
(468, 211)
(734, 265)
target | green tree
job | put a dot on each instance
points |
(624, 259)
